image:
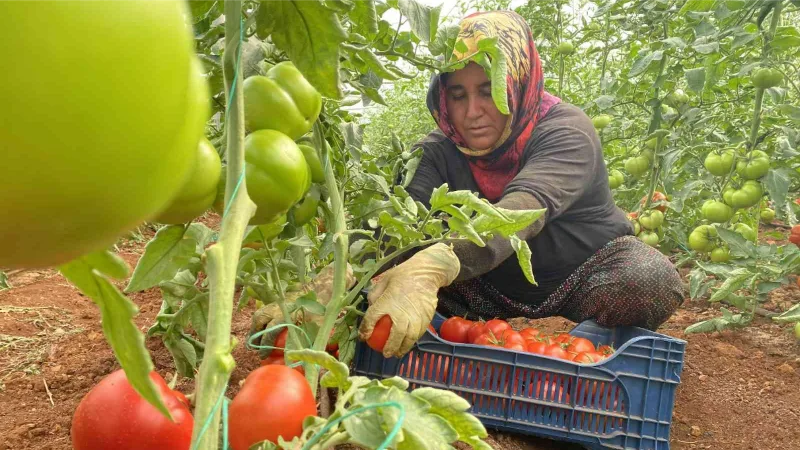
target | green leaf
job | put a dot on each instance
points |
(397, 382)
(736, 242)
(121, 332)
(697, 285)
(164, 256)
(465, 229)
(517, 221)
(198, 314)
(183, 354)
(790, 315)
(364, 16)
(697, 6)
(4, 281)
(737, 279)
(778, 182)
(309, 302)
(424, 20)
(453, 408)
(421, 429)
(301, 241)
(696, 79)
(641, 63)
(310, 33)
(444, 42)
(365, 428)
(338, 371)
(456, 213)
(499, 73)
(524, 255)
(376, 65)
(201, 234)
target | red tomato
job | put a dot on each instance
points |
(529, 333)
(563, 338)
(456, 329)
(331, 347)
(580, 345)
(606, 350)
(546, 339)
(380, 334)
(512, 337)
(588, 357)
(281, 361)
(536, 347)
(114, 416)
(556, 351)
(478, 328)
(273, 401)
(514, 346)
(657, 197)
(486, 338)
(280, 343)
(497, 326)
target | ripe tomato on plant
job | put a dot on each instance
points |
(658, 201)
(456, 329)
(114, 416)
(273, 401)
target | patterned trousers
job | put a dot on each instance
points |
(626, 282)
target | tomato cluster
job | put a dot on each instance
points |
(648, 225)
(499, 333)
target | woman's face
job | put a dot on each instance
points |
(471, 109)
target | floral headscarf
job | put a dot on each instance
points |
(528, 102)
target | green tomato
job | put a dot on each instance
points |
(746, 231)
(566, 48)
(716, 212)
(637, 166)
(754, 166)
(719, 164)
(648, 237)
(283, 100)
(720, 254)
(103, 108)
(767, 215)
(637, 228)
(615, 179)
(797, 331)
(200, 189)
(766, 78)
(748, 195)
(652, 219)
(276, 172)
(306, 209)
(700, 239)
(601, 121)
(314, 164)
(651, 143)
(266, 232)
(676, 98)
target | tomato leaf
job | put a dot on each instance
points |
(310, 33)
(4, 281)
(183, 354)
(421, 428)
(465, 229)
(737, 279)
(790, 315)
(117, 313)
(164, 256)
(778, 182)
(337, 372)
(309, 302)
(514, 221)
(364, 17)
(524, 255)
(453, 409)
(198, 314)
(424, 20)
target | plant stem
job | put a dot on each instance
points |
(222, 257)
(337, 226)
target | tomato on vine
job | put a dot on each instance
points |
(753, 166)
(718, 163)
(716, 212)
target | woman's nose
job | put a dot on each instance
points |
(474, 108)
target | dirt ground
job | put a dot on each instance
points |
(739, 390)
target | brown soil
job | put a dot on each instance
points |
(739, 390)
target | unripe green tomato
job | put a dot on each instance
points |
(676, 98)
(601, 121)
(276, 172)
(754, 166)
(647, 154)
(700, 239)
(314, 164)
(637, 228)
(716, 212)
(719, 164)
(615, 179)
(746, 231)
(283, 100)
(648, 237)
(652, 219)
(198, 191)
(767, 215)
(651, 143)
(766, 78)
(103, 105)
(797, 331)
(306, 209)
(637, 166)
(720, 254)
(566, 48)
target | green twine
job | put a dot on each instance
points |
(389, 437)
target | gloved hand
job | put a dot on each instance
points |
(270, 315)
(407, 293)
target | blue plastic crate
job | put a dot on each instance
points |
(623, 402)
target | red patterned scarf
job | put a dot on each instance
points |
(528, 102)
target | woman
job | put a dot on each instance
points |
(545, 154)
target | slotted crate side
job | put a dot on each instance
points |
(623, 402)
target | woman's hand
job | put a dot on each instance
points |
(408, 295)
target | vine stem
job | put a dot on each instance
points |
(337, 226)
(222, 257)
